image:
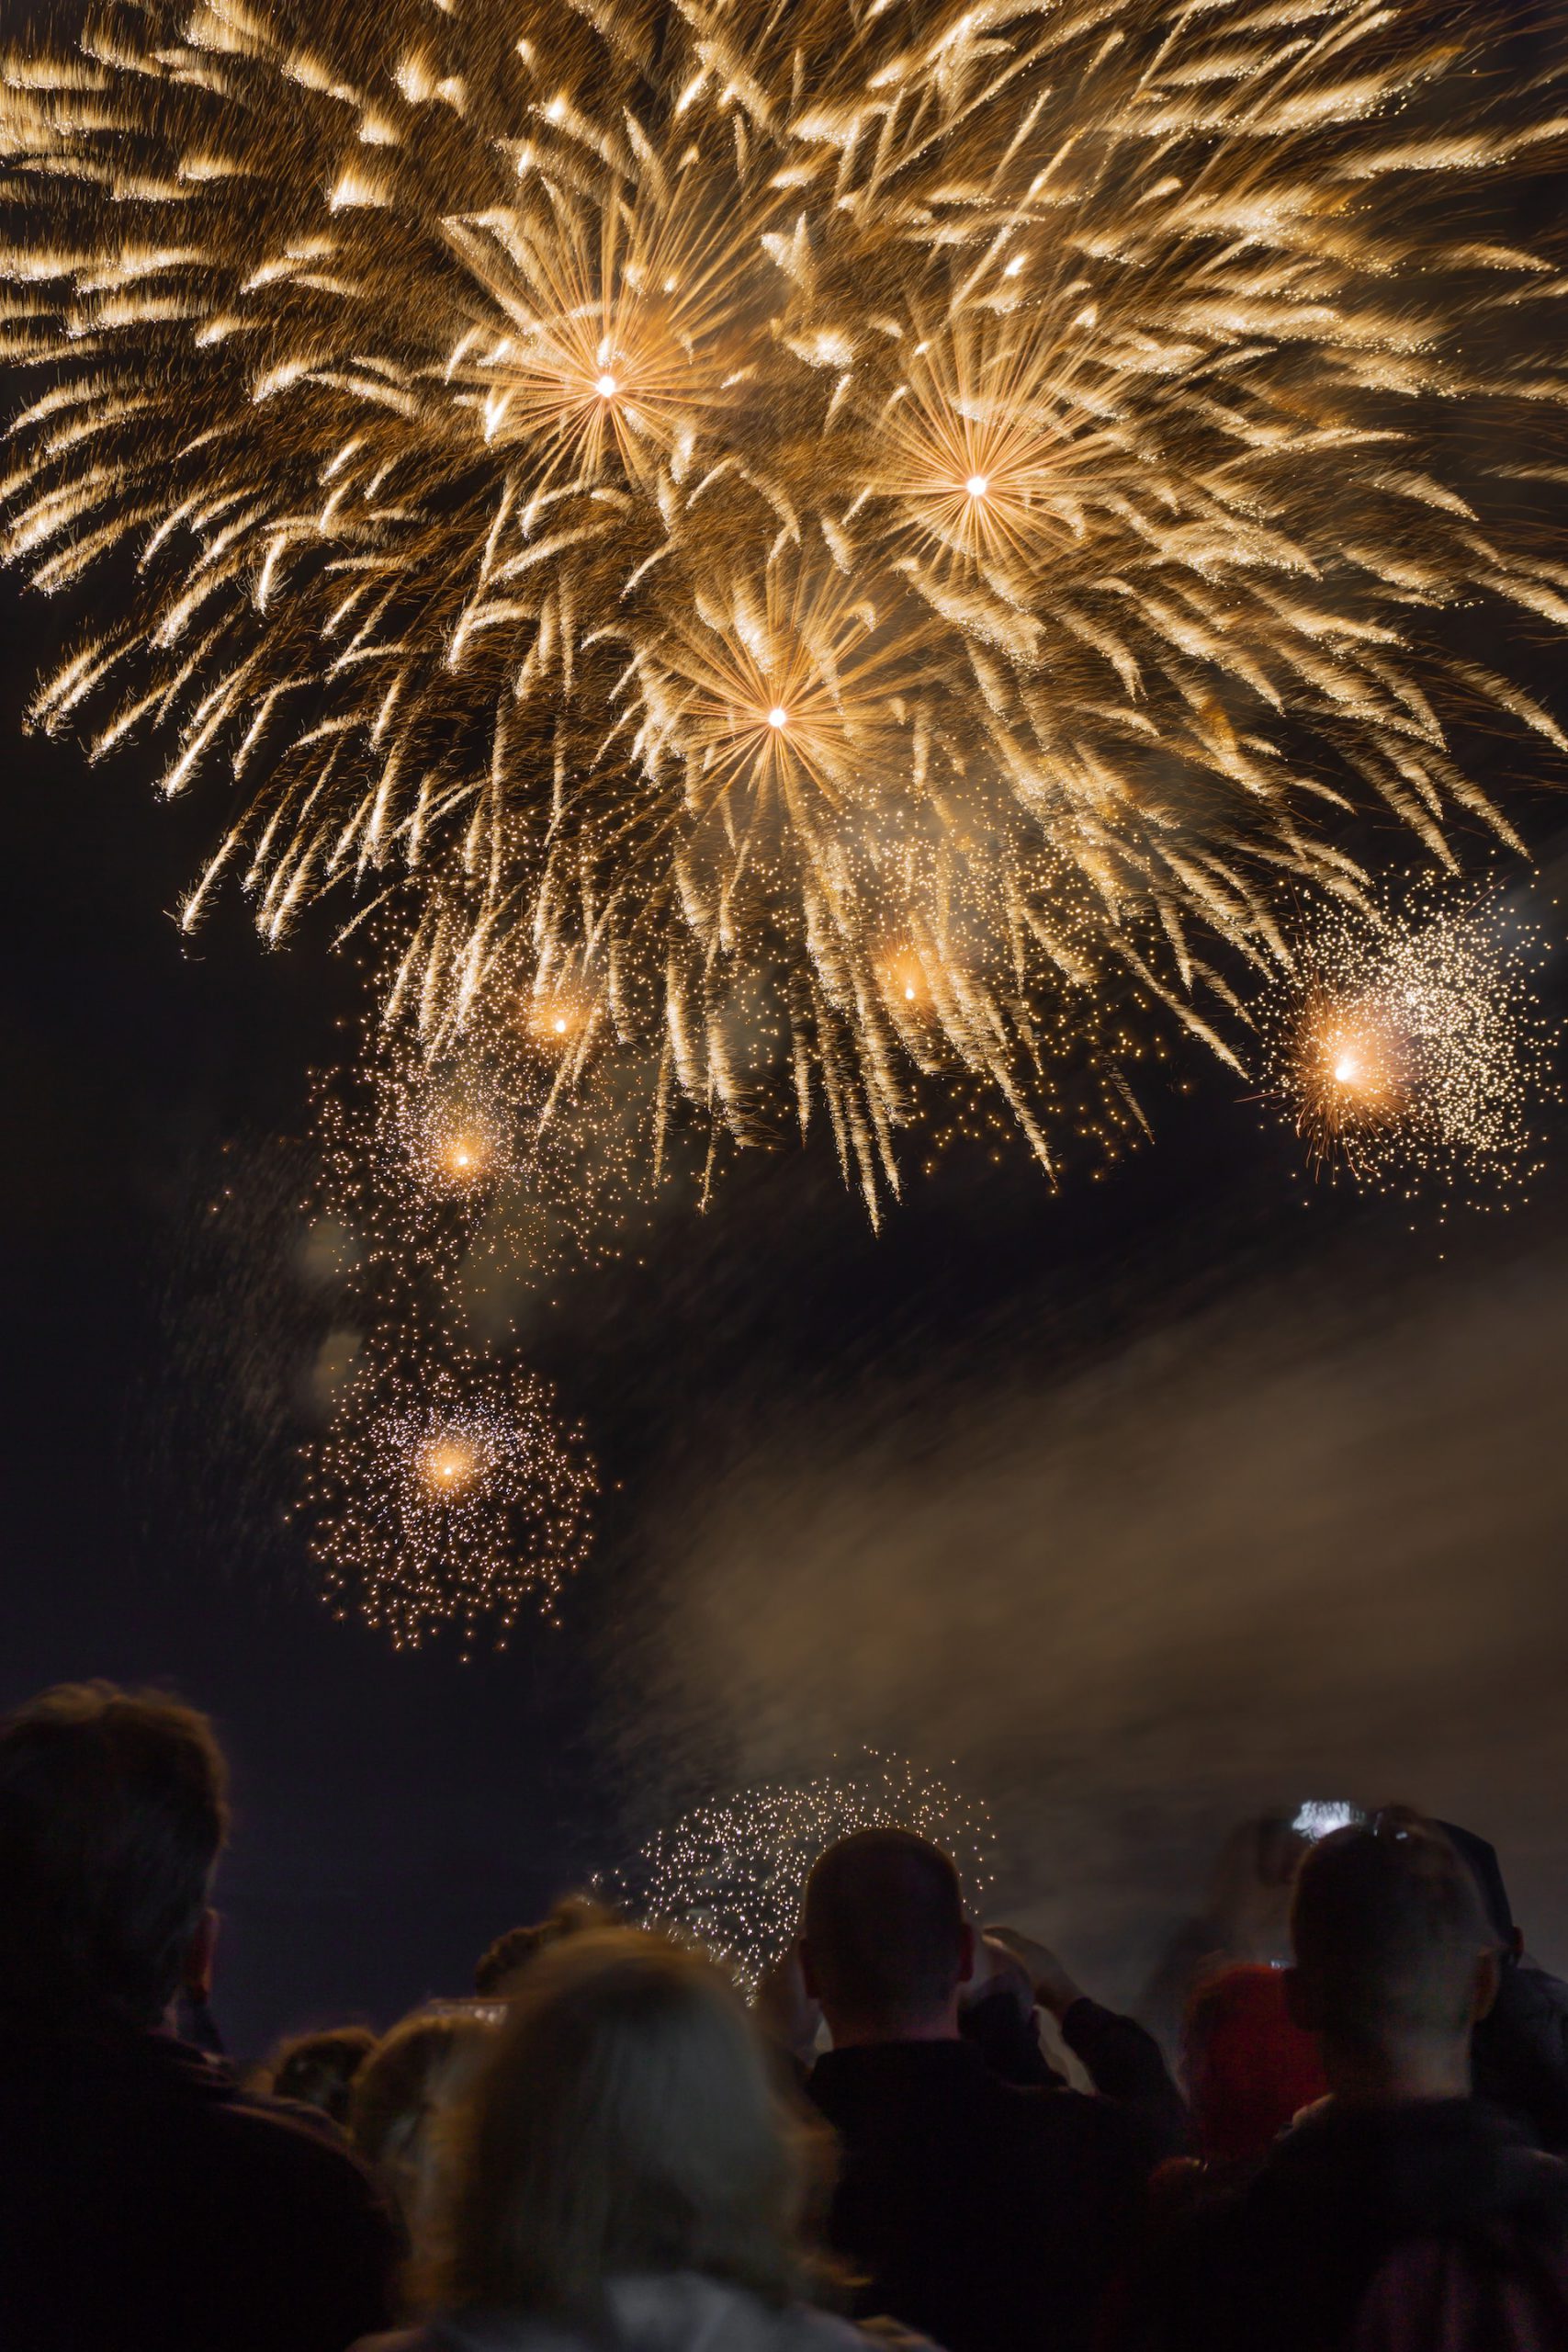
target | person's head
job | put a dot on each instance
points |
(625, 2122)
(884, 1942)
(318, 2069)
(1395, 1958)
(510, 1954)
(1480, 1856)
(112, 1813)
(1249, 2066)
(402, 2089)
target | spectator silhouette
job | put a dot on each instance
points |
(499, 1966)
(402, 2090)
(318, 2069)
(145, 2200)
(1519, 2050)
(622, 2174)
(1400, 2215)
(985, 2213)
(1250, 2067)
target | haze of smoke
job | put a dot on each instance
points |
(1305, 1545)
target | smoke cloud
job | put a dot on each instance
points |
(1306, 1544)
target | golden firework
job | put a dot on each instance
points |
(1409, 1047)
(672, 507)
(463, 1165)
(730, 1874)
(448, 1490)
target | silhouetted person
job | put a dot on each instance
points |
(1519, 2050)
(1251, 2070)
(1245, 1916)
(403, 2090)
(499, 1966)
(145, 2201)
(318, 2069)
(1250, 2067)
(621, 2176)
(985, 2213)
(1400, 2215)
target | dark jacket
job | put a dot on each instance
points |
(986, 2215)
(148, 2205)
(1124, 2063)
(1286, 2262)
(1520, 2054)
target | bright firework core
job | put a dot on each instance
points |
(1413, 1050)
(449, 1465)
(553, 1021)
(467, 1156)
(1362, 1059)
(447, 1490)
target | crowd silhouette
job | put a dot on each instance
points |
(918, 2130)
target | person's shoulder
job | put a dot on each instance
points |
(288, 2148)
(1053, 2113)
(1536, 1991)
(1052, 2136)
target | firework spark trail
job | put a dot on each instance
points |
(447, 1490)
(696, 513)
(1409, 1049)
(731, 1874)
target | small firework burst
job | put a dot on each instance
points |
(477, 1157)
(448, 1491)
(1410, 1049)
(730, 1874)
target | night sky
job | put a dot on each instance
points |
(1186, 1490)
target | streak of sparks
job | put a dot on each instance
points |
(689, 514)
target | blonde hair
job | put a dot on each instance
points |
(625, 2122)
(398, 2095)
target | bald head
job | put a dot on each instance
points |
(886, 1943)
(1395, 1957)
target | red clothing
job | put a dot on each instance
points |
(1250, 2069)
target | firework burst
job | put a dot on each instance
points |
(689, 511)
(448, 1491)
(473, 1160)
(1410, 1049)
(730, 1876)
